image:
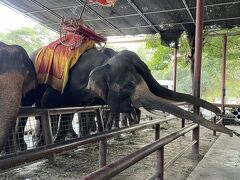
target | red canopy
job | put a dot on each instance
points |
(104, 2)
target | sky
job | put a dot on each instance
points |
(11, 19)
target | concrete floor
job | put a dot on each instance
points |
(222, 161)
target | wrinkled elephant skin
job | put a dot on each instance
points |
(124, 82)
(17, 77)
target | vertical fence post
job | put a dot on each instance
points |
(175, 68)
(224, 73)
(159, 156)
(214, 121)
(102, 142)
(47, 130)
(183, 123)
(197, 68)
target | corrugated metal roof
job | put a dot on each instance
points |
(132, 17)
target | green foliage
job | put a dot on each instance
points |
(29, 38)
(160, 63)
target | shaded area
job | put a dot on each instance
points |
(133, 17)
(82, 161)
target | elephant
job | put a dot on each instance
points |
(17, 78)
(124, 83)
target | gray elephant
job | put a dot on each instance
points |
(123, 82)
(17, 77)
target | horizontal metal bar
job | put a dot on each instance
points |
(169, 163)
(135, 14)
(34, 111)
(227, 105)
(143, 16)
(211, 34)
(119, 165)
(101, 18)
(11, 160)
(188, 10)
(179, 23)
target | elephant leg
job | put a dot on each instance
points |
(65, 128)
(21, 123)
(116, 119)
(124, 119)
(10, 99)
(10, 146)
(55, 124)
(93, 125)
(109, 121)
(38, 137)
(83, 119)
(69, 125)
(105, 117)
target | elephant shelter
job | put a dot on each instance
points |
(134, 17)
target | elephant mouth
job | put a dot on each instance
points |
(145, 100)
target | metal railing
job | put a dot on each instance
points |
(49, 150)
(121, 164)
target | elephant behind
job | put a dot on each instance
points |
(17, 77)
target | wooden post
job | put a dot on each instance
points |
(197, 67)
(175, 69)
(159, 156)
(47, 130)
(102, 142)
(214, 120)
(183, 123)
(224, 72)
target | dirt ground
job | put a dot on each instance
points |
(79, 162)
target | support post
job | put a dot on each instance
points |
(159, 156)
(47, 130)
(102, 142)
(224, 58)
(214, 121)
(183, 123)
(174, 69)
(102, 152)
(197, 68)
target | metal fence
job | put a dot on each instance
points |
(81, 126)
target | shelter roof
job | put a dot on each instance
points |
(133, 17)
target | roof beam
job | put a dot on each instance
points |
(143, 16)
(162, 11)
(100, 17)
(46, 8)
(54, 9)
(180, 23)
(146, 13)
(188, 10)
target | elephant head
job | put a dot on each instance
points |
(17, 77)
(125, 82)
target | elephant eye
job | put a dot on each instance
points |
(130, 84)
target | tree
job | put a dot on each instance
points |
(29, 38)
(160, 64)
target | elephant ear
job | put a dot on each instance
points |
(99, 80)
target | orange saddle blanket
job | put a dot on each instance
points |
(53, 62)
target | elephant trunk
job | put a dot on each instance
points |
(143, 97)
(10, 98)
(163, 92)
